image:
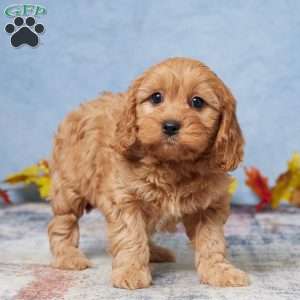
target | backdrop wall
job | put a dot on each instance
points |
(90, 46)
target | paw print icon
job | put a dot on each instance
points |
(24, 32)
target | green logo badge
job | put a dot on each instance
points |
(24, 29)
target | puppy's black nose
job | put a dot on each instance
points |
(170, 127)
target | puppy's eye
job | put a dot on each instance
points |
(156, 98)
(197, 102)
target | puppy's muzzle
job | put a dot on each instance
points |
(170, 127)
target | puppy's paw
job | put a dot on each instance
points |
(131, 277)
(72, 261)
(159, 254)
(225, 275)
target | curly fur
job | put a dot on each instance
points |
(111, 154)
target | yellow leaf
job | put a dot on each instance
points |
(294, 162)
(44, 186)
(233, 186)
(24, 176)
(37, 174)
(287, 182)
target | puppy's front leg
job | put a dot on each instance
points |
(206, 232)
(129, 247)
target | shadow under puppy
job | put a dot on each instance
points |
(147, 159)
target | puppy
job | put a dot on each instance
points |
(149, 158)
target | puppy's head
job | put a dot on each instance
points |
(179, 110)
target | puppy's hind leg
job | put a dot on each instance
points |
(63, 231)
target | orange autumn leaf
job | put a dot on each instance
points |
(259, 186)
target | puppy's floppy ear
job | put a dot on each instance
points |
(229, 143)
(126, 131)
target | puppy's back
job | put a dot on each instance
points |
(84, 135)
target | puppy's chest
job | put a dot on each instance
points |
(169, 200)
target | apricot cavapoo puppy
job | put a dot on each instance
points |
(149, 158)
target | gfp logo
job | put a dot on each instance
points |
(24, 30)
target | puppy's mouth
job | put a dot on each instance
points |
(170, 148)
(171, 140)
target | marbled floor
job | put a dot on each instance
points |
(266, 245)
